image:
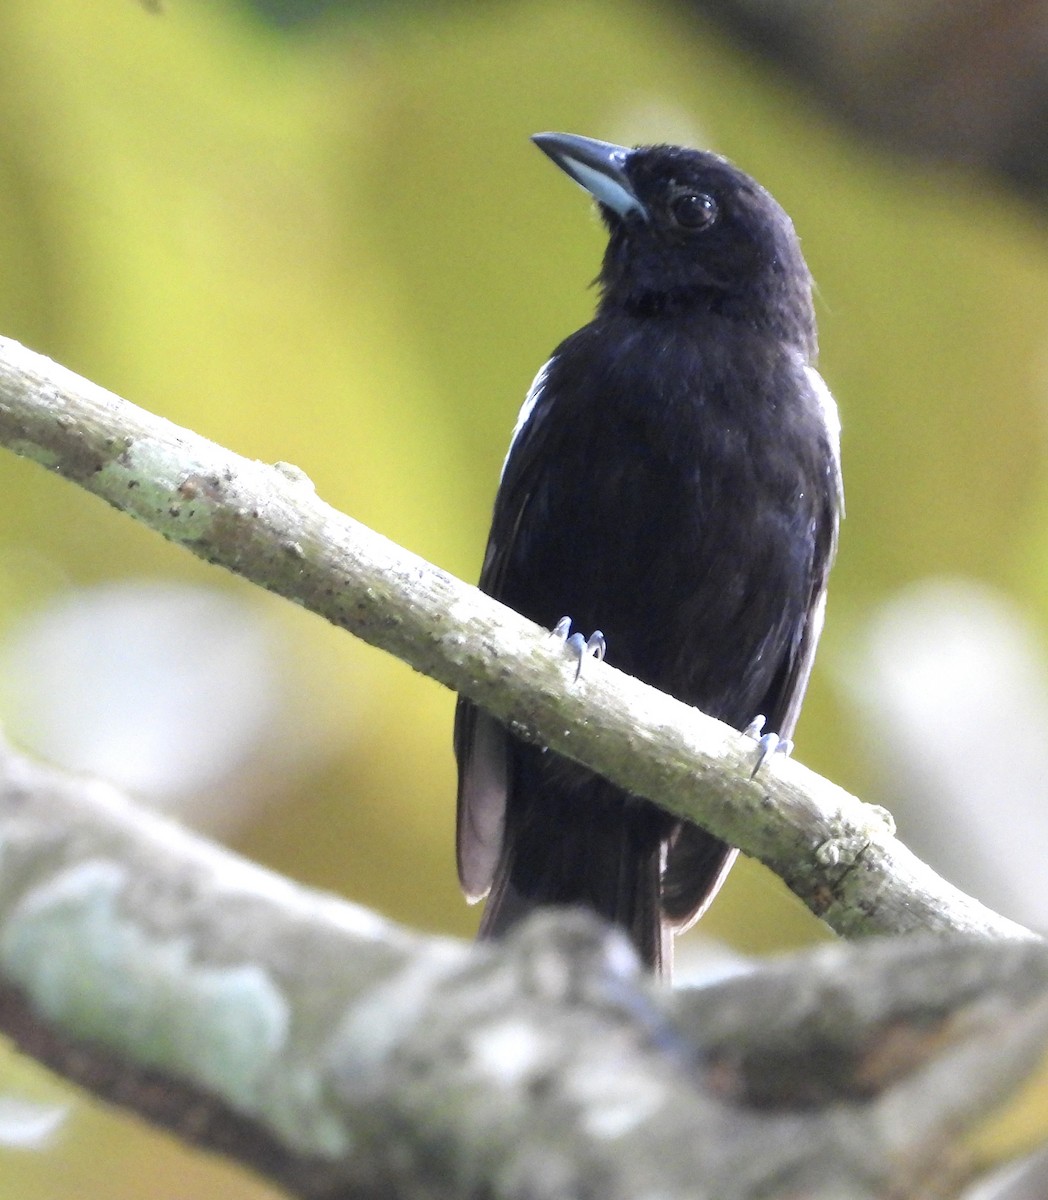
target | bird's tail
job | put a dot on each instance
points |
(585, 843)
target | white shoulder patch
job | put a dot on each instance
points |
(527, 408)
(832, 419)
(828, 405)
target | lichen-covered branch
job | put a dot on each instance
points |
(267, 524)
(341, 1056)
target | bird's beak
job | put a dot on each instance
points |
(599, 167)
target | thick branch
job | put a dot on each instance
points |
(267, 524)
(343, 1057)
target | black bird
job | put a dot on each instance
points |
(674, 479)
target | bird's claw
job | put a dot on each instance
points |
(595, 646)
(560, 631)
(767, 744)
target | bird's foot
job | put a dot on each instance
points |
(767, 744)
(594, 646)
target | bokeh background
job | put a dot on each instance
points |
(319, 234)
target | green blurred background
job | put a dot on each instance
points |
(331, 243)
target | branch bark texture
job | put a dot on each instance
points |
(267, 524)
(344, 1058)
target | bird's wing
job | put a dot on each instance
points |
(696, 862)
(481, 743)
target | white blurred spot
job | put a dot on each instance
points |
(161, 688)
(28, 1126)
(952, 682)
(508, 1051)
(614, 1101)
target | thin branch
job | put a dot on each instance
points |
(267, 524)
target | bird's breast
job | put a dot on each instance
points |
(675, 504)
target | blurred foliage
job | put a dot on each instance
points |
(339, 249)
(289, 14)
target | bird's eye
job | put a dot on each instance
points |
(694, 210)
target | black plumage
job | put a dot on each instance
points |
(674, 481)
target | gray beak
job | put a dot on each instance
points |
(599, 167)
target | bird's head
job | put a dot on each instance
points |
(688, 231)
